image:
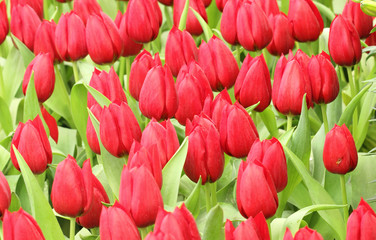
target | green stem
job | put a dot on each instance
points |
(344, 197)
(289, 122)
(213, 188)
(207, 198)
(353, 94)
(168, 17)
(237, 56)
(70, 4)
(324, 117)
(89, 154)
(122, 71)
(310, 49)
(72, 232)
(143, 231)
(128, 71)
(45, 9)
(75, 72)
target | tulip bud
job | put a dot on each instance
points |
(255, 190)
(270, 153)
(340, 155)
(344, 42)
(371, 40)
(205, 157)
(324, 80)
(4, 24)
(118, 128)
(85, 8)
(218, 63)
(270, 7)
(70, 37)
(51, 124)
(70, 178)
(44, 76)
(283, 40)
(368, 7)
(253, 83)
(164, 135)
(140, 67)
(303, 234)
(23, 24)
(36, 5)
(180, 49)
(108, 84)
(362, 22)
(158, 97)
(91, 217)
(5, 194)
(103, 39)
(131, 48)
(192, 87)
(237, 130)
(253, 228)
(143, 19)
(31, 141)
(115, 223)
(214, 108)
(91, 134)
(20, 225)
(140, 195)
(361, 222)
(45, 40)
(306, 20)
(166, 2)
(193, 26)
(221, 4)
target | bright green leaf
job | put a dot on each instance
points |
(183, 16)
(214, 225)
(269, 120)
(26, 54)
(208, 33)
(6, 122)
(192, 202)
(98, 96)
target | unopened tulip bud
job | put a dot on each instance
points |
(253, 228)
(368, 7)
(36, 5)
(20, 226)
(283, 40)
(45, 40)
(86, 8)
(91, 134)
(361, 222)
(193, 26)
(5, 194)
(4, 23)
(362, 22)
(51, 124)
(303, 234)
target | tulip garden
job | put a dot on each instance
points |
(187, 119)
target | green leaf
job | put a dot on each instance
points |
(231, 212)
(109, 7)
(317, 151)
(184, 15)
(251, 108)
(6, 122)
(192, 202)
(15, 203)
(40, 206)
(208, 33)
(26, 54)
(270, 121)
(171, 175)
(98, 96)
(214, 224)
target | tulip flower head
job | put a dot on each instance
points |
(5, 195)
(21, 225)
(4, 23)
(362, 22)
(361, 222)
(303, 234)
(193, 26)
(254, 228)
(45, 40)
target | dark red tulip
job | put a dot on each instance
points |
(206, 3)
(303, 234)
(205, 157)
(192, 87)
(140, 195)
(158, 97)
(344, 42)
(270, 7)
(5, 194)
(255, 190)
(108, 84)
(218, 63)
(306, 20)
(164, 135)
(45, 40)
(221, 4)
(118, 128)
(51, 123)
(371, 40)
(340, 155)
(180, 49)
(131, 48)
(323, 77)
(192, 25)
(85, 8)
(70, 37)
(72, 189)
(31, 141)
(252, 229)
(253, 83)
(20, 225)
(63, 1)
(115, 224)
(362, 22)
(143, 19)
(361, 222)
(24, 23)
(44, 76)
(166, 2)
(140, 67)
(214, 108)
(270, 153)
(103, 39)
(283, 40)
(4, 23)
(91, 134)
(36, 5)
(237, 130)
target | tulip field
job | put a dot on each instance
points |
(187, 119)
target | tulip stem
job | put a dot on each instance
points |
(143, 231)
(289, 122)
(213, 188)
(353, 94)
(122, 71)
(72, 229)
(45, 9)
(207, 193)
(324, 117)
(238, 54)
(344, 197)
(75, 71)
(128, 70)
(310, 49)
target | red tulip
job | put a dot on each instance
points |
(340, 155)
(31, 141)
(371, 40)
(180, 49)
(158, 97)
(218, 63)
(44, 76)
(303, 234)
(166, 2)
(214, 108)
(270, 7)
(72, 189)
(362, 22)
(306, 20)
(91, 134)
(252, 229)
(140, 67)
(361, 222)
(45, 40)
(221, 4)
(70, 37)
(5, 194)
(283, 40)
(20, 225)
(4, 23)
(192, 87)
(255, 190)
(192, 25)
(140, 195)
(51, 123)
(344, 42)
(118, 128)
(36, 5)
(253, 83)
(85, 8)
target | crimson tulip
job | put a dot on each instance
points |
(253, 83)
(254, 228)
(214, 108)
(36, 5)
(5, 194)
(371, 40)
(45, 40)
(340, 155)
(91, 134)
(192, 87)
(4, 23)
(193, 26)
(180, 49)
(344, 42)
(31, 141)
(362, 22)
(270, 7)
(303, 234)
(51, 124)
(85, 8)
(166, 2)
(72, 189)
(21, 225)
(283, 40)
(118, 128)
(220, 4)
(361, 222)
